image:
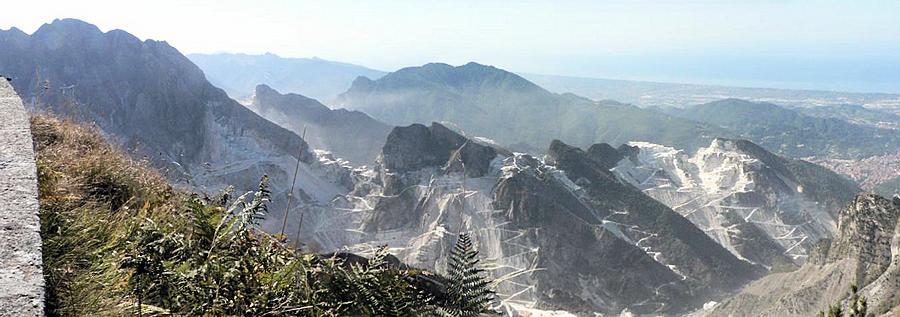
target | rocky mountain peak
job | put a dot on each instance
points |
(68, 26)
(865, 231)
(417, 146)
(362, 83)
(578, 163)
(607, 155)
(153, 101)
(265, 96)
(868, 212)
(14, 33)
(749, 148)
(472, 78)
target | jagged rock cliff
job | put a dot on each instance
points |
(763, 208)
(560, 234)
(865, 252)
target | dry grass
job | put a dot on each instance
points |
(92, 196)
(86, 166)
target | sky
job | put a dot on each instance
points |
(831, 45)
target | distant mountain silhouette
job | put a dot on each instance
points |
(239, 74)
(854, 114)
(495, 103)
(792, 133)
(352, 135)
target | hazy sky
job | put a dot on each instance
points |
(838, 45)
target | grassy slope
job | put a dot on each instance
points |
(90, 196)
(115, 232)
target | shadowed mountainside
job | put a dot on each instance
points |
(148, 97)
(351, 135)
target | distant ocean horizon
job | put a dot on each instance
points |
(839, 74)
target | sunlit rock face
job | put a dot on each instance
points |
(865, 252)
(762, 208)
(561, 233)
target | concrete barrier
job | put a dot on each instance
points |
(21, 276)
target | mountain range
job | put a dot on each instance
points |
(351, 135)
(239, 74)
(707, 210)
(562, 233)
(855, 114)
(491, 102)
(793, 133)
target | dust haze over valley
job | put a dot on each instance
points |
(451, 159)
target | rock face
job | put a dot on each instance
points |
(351, 135)
(488, 101)
(558, 234)
(150, 99)
(762, 208)
(417, 146)
(21, 275)
(865, 252)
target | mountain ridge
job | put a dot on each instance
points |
(798, 135)
(152, 101)
(513, 111)
(321, 79)
(351, 135)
